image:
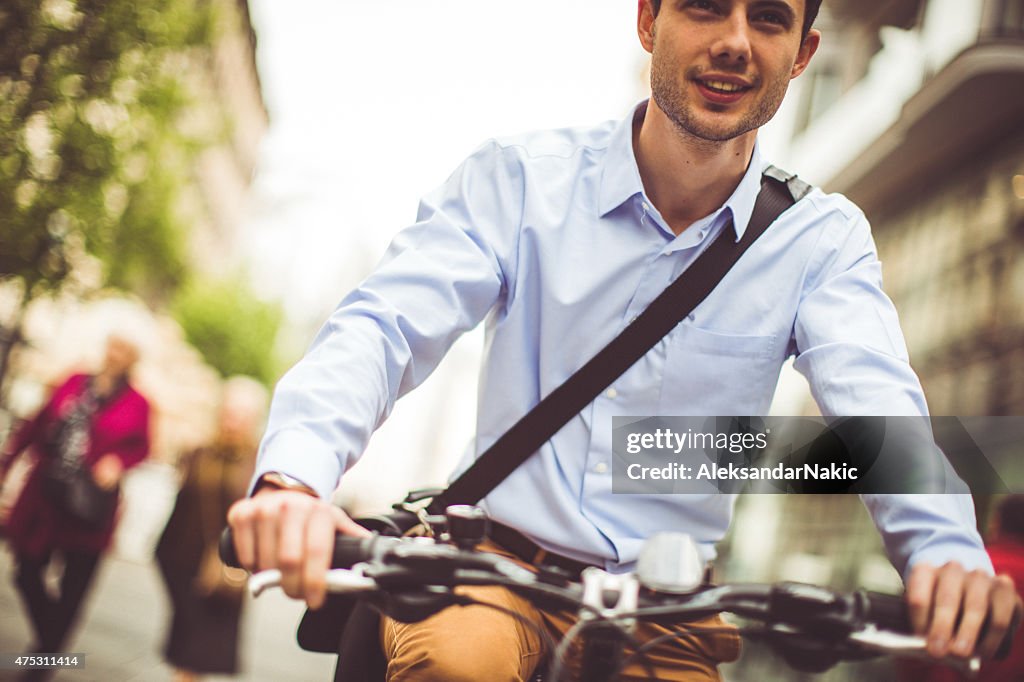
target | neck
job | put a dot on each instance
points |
(687, 178)
(105, 382)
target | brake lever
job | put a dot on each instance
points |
(262, 581)
(339, 580)
(911, 646)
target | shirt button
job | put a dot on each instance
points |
(646, 206)
(600, 468)
(611, 393)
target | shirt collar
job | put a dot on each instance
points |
(620, 177)
(741, 203)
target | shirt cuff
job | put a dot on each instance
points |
(301, 456)
(967, 555)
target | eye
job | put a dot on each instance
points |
(772, 18)
(773, 15)
(703, 5)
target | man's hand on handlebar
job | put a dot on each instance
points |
(949, 605)
(293, 532)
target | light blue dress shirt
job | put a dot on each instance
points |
(550, 240)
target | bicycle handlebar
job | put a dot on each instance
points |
(861, 620)
(348, 551)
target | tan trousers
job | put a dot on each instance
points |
(478, 643)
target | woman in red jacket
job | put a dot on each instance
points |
(95, 425)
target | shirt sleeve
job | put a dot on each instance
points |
(851, 349)
(437, 280)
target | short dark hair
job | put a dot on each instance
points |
(810, 13)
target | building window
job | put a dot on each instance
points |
(1004, 19)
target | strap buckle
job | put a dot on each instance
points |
(798, 189)
(434, 525)
(424, 518)
(420, 494)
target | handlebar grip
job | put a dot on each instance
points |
(347, 550)
(226, 549)
(1008, 639)
(888, 612)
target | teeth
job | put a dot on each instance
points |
(723, 86)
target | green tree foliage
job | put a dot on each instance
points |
(233, 329)
(95, 137)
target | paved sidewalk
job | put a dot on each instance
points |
(124, 622)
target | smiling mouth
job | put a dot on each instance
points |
(722, 87)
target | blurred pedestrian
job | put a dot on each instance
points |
(92, 429)
(206, 596)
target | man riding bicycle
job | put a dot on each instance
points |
(558, 240)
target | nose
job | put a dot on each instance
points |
(732, 44)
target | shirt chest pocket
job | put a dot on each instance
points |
(715, 373)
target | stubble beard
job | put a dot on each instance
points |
(671, 97)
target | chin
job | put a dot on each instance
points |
(715, 133)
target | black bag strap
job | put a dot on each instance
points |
(779, 191)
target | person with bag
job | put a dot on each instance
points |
(562, 243)
(91, 431)
(206, 596)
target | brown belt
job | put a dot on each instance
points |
(532, 553)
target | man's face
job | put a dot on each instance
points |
(720, 68)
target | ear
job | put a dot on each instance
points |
(807, 50)
(645, 24)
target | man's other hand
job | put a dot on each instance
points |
(949, 605)
(293, 532)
